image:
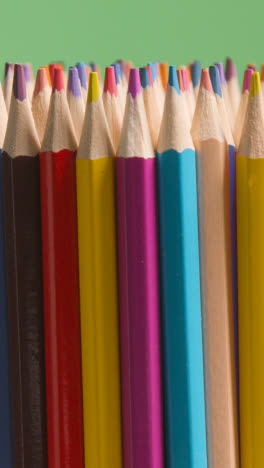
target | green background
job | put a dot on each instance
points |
(141, 30)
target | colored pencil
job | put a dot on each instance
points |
(8, 83)
(21, 186)
(242, 106)
(164, 73)
(119, 88)
(52, 68)
(98, 287)
(180, 280)
(6, 443)
(253, 66)
(29, 83)
(250, 232)
(232, 85)
(188, 94)
(152, 106)
(112, 106)
(40, 102)
(60, 281)
(196, 76)
(83, 80)
(225, 94)
(214, 75)
(139, 287)
(216, 279)
(75, 101)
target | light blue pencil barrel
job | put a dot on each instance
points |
(185, 429)
(6, 458)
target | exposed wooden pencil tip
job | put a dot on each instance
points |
(94, 90)
(214, 75)
(255, 86)
(173, 79)
(19, 82)
(206, 81)
(247, 79)
(58, 81)
(74, 82)
(231, 70)
(144, 77)
(41, 81)
(134, 87)
(82, 74)
(110, 82)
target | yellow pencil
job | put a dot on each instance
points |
(250, 236)
(98, 287)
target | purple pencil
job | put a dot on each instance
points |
(139, 287)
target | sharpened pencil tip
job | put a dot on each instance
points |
(73, 82)
(19, 82)
(247, 79)
(144, 77)
(173, 79)
(94, 90)
(58, 81)
(41, 81)
(206, 81)
(196, 73)
(221, 72)
(110, 82)
(134, 87)
(214, 75)
(255, 86)
(82, 74)
(8, 66)
(185, 81)
(231, 70)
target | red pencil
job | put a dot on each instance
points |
(60, 278)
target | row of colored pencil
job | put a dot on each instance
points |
(131, 260)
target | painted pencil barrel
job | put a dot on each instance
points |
(217, 306)
(6, 448)
(139, 312)
(233, 233)
(250, 234)
(61, 309)
(25, 309)
(99, 312)
(181, 311)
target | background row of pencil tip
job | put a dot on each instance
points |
(154, 79)
(119, 314)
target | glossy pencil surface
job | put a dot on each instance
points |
(61, 287)
(98, 288)
(185, 431)
(139, 288)
(20, 165)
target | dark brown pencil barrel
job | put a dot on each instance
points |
(25, 309)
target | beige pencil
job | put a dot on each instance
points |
(216, 282)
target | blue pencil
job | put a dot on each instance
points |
(185, 429)
(6, 458)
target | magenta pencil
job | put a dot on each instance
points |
(139, 287)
